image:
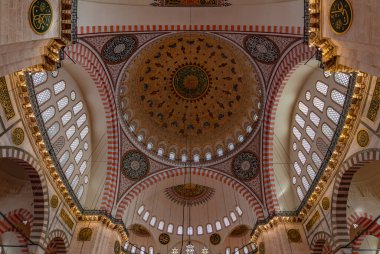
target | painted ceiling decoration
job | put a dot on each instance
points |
(119, 49)
(135, 165)
(245, 166)
(183, 94)
(262, 49)
(189, 194)
(191, 3)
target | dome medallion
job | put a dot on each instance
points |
(189, 97)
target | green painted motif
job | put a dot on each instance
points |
(40, 16)
(341, 16)
(190, 82)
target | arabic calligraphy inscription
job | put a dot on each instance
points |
(341, 15)
(40, 16)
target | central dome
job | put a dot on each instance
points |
(189, 96)
(190, 82)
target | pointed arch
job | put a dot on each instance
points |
(321, 243)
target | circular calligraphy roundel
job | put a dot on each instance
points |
(40, 16)
(341, 15)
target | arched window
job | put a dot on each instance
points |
(304, 109)
(342, 79)
(306, 145)
(317, 161)
(161, 225)
(233, 216)
(151, 251)
(338, 97)
(179, 230)
(69, 171)
(84, 133)
(81, 120)
(209, 228)
(64, 158)
(315, 119)
(62, 103)
(190, 231)
(80, 191)
(78, 108)
(140, 210)
(199, 230)
(66, 118)
(78, 156)
(238, 210)
(322, 87)
(146, 216)
(142, 250)
(226, 222)
(59, 87)
(75, 182)
(329, 133)
(153, 221)
(333, 115)
(305, 183)
(170, 228)
(311, 172)
(218, 225)
(70, 131)
(48, 114)
(228, 251)
(39, 78)
(319, 104)
(83, 167)
(310, 132)
(300, 121)
(297, 133)
(74, 145)
(302, 157)
(43, 96)
(300, 193)
(297, 168)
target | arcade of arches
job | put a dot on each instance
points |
(178, 126)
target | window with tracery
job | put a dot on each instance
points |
(315, 121)
(63, 113)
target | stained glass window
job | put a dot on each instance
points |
(315, 119)
(75, 182)
(306, 145)
(69, 171)
(70, 131)
(333, 115)
(342, 79)
(39, 78)
(66, 118)
(83, 167)
(300, 121)
(311, 172)
(81, 120)
(310, 132)
(48, 114)
(302, 157)
(64, 158)
(300, 193)
(77, 108)
(297, 168)
(80, 192)
(304, 109)
(84, 133)
(59, 87)
(305, 183)
(62, 103)
(74, 145)
(79, 156)
(319, 104)
(338, 97)
(322, 87)
(317, 161)
(327, 131)
(297, 133)
(43, 96)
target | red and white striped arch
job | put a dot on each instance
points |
(289, 63)
(153, 179)
(340, 228)
(321, 244)
(90, 62)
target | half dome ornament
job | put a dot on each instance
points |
(245, 166)
(135, 165)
